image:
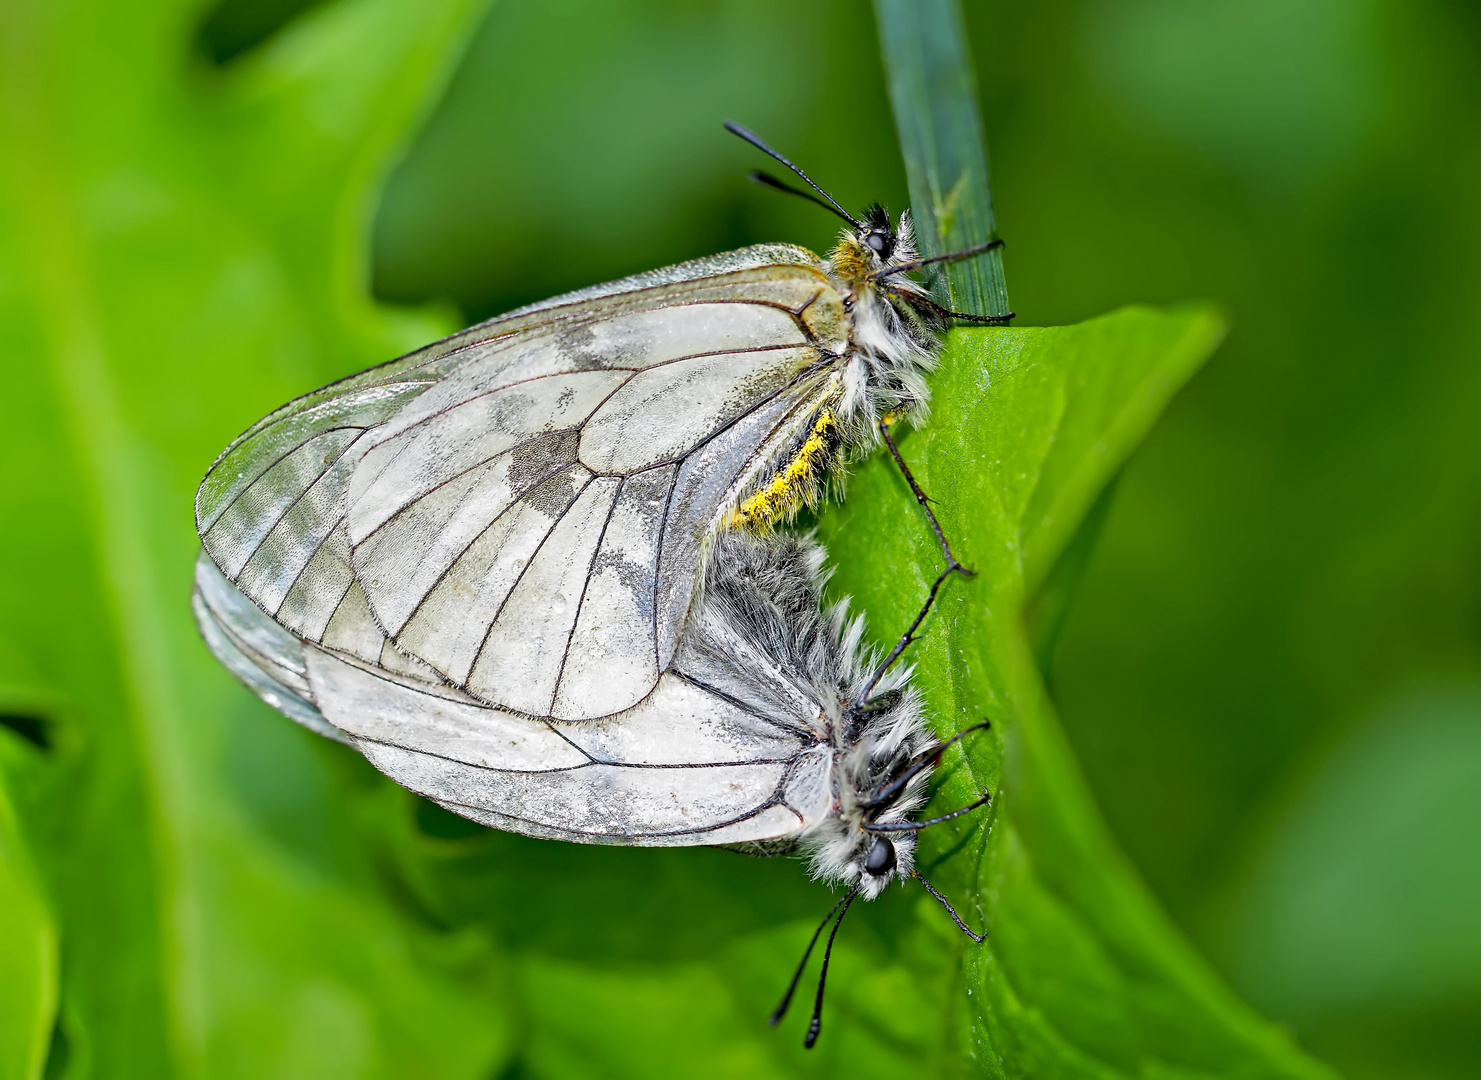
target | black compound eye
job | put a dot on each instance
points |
(879, 241)
(881, 858)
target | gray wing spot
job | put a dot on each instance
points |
(553, 496)
(408, 556)
(531, 462)
(408, 462)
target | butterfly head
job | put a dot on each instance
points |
(876, 233)
(878, 783)
(870, 260)
(871, 247)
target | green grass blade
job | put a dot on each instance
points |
(933, 91)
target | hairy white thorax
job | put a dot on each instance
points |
(894, 340)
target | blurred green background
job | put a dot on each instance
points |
(1272, 670)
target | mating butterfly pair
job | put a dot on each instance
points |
(528, 571)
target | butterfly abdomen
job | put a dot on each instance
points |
(798, 482)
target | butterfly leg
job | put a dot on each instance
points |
(952, 565)
(925, 502)
(973, 934)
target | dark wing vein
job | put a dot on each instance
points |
(596, 552)
(520, 576)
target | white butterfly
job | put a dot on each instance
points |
(525, 508)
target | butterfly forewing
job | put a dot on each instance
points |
(524, 507)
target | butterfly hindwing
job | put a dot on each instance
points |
(682, 768)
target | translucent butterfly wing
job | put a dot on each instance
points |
(524, 506)
(685, 767)
(255, 649)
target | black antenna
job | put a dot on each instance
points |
(755, 140)
(816, 1024)
(781, 1010)
(759, 177)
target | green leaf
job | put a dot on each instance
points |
(28, 952)
(182, 249)
(1081, 974)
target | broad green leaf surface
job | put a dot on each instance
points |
(181, 250)
(1081, 974)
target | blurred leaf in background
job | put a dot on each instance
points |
(183, 248)
(581, 141)
(1295, 554)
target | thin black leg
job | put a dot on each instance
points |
(952, 566)
(924, 500)
(917, 826)
(973, 934)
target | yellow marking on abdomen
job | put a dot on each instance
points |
(793, 485)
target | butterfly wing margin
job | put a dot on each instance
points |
(255, 649)
(280, 515)
(684, 768)
(249, 455)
